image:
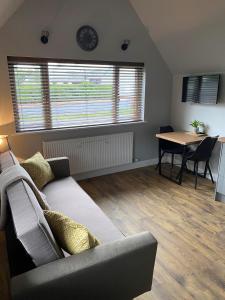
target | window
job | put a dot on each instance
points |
(49, 93)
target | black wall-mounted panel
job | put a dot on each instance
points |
(201, 89)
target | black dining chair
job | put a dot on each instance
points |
(167, 146)
(202, 154)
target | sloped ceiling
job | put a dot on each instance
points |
(189, 34)
(7, 9)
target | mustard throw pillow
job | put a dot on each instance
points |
(38, 169)
(71, 236)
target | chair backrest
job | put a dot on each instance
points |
(205, 148)
(164, 145)
(164, 129)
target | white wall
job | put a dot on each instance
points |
(212, 115)
(190, 37)
(7, 9)
(114, 21)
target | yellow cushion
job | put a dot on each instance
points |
(71, 236)
(39, 170)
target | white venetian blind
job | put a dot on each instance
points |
(49, 93)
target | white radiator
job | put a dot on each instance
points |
(93, 153)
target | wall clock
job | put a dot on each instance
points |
(87, 38)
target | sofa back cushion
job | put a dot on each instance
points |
(19, 260)
(7, 159)
(29, 223)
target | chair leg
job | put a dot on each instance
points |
(210, 173)
(184, 161)
(194, 169)
(172, 160)
(157, 166)
(182, 169)
(180, 174)
(206, 169)
(196, 173)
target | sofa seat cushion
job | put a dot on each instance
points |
(66, 196)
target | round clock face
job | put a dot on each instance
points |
(87, 38)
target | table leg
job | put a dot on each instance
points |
(160, 159)
(182, 164)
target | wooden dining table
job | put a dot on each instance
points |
(184, 139)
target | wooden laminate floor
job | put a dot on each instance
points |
(188, 224)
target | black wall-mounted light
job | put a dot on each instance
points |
(125, 45)
(44, 37)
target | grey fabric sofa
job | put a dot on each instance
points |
(120, 268)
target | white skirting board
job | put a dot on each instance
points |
(131, 166)
(135, 165)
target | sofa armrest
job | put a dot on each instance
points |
(119, 270)
(60, 166)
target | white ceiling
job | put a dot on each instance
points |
(189, 34)
(7, 9)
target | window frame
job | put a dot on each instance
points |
(46, 102)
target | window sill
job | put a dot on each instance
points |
(79, 128)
